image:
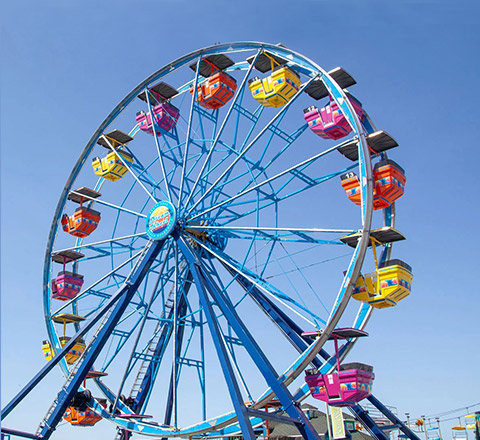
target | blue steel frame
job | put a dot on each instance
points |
(196, 198)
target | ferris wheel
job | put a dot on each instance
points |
(211, 239)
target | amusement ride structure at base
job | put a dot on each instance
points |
(213, 237)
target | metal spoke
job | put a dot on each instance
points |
(262, 234)
(140, 234)
(240, 91)
(251, 144)
(266, 228)
(276, 176)
(124, 162)
(160, 157)
(189, 128)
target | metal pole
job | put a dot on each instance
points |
(438, 427)
(424, 427)
(175, 341)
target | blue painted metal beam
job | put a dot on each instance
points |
(18, 433)
(270, 375)
(181, 309)
(228, 372)
(127, 291)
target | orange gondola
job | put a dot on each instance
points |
(81, 418)
(216, 90)
(84, 220)
(79, 414)
(82, 223)
(389, 184)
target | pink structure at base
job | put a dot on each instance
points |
(166, 117)
(329, 122)
(345, 388)
(66, 286)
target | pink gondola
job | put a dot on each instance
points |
(165, 114)
(329, 122)
(347, 386)
(66, 285)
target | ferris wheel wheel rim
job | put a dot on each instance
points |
(365, 174)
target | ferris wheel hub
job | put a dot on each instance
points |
(161, 220)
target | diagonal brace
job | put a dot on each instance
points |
(127, 292)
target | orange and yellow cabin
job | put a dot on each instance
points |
(389, 184)
(73, 354)
(82, 223)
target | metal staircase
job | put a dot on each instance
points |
(166, 314)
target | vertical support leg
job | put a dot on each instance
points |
(261, 361)
(227, 368)
(202, 370)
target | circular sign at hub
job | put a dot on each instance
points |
(161, 220)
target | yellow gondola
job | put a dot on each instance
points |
(76, 351)
(276, 89)
(47, 350)
(111, 167)
(385, 287)
(73, 354)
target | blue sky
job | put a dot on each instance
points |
(66, 65)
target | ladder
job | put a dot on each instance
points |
(167, 312)
(151, 346)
